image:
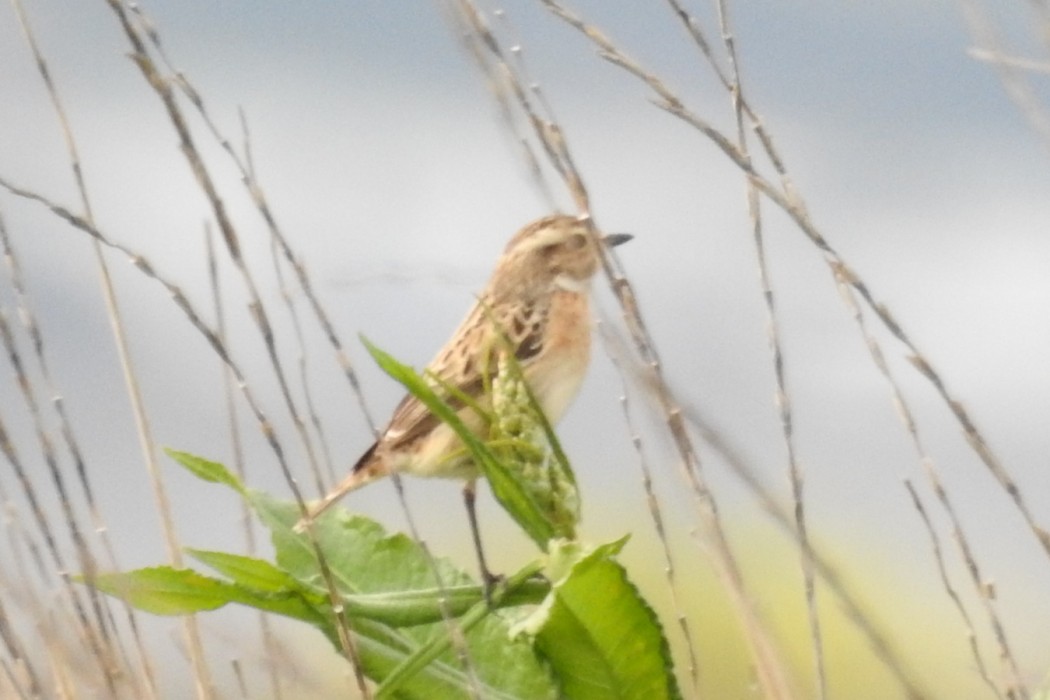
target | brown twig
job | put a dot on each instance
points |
(1013, 73)
(236, 445)
(942, 572)
(788, 199)
(782, 396)
(148, 685)
(549, 133)
(614, 351)
(907, 419)
(248, 177)
(162, 88)
(279, 242)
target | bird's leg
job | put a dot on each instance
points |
(488, 578)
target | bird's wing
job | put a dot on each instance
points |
(467, 364)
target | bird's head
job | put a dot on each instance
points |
(558, 250)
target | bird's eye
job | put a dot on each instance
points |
(576, 241)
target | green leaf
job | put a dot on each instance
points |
(362, 557)
(207, 470)
(163, 590)
(425, 606)
(393, 597)
(430, 651)
(390, 578)
(248, 572)
(601, 637)
(510, 492)
(397, 608)
(406, 608)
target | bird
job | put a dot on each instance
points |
(536, 305)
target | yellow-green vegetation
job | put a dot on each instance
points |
(568, 624)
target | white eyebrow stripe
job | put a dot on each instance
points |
(571, 284)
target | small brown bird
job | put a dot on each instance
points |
(537, 303)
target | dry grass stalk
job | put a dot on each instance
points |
(783, 397)
(196, 321)
(693, 667)
(270, 644)
(279, 242)
(548, 133)
(1014, 73)
(142, 422)
(789, 200)
(506, 72)
(1012, 678)
(187, 145)
(949, 589)
(162, 88)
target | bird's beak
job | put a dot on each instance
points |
(614, 239)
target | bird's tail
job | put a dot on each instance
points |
(368, 469)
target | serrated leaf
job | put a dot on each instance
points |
(361, 555)
(206, 469)
(468, 624)
(386, 583)
(602, 638)
(373, 569)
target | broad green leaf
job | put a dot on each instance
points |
(601, 637)
(163, 590)
(467, 624)
(247, 571)
(392, 594)
(362, 557)
(207, 470)
(373, 570)
(424, 606)
(397, 608)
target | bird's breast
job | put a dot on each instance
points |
(555, 375)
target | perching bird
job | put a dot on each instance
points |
(537, 303)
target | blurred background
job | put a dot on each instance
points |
(917, 143)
